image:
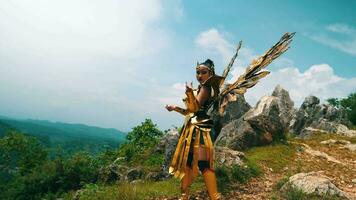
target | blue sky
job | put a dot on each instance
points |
(113, 63)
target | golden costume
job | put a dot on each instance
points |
(195, 150)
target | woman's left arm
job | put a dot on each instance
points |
(193, 103)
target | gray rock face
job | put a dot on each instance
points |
(134, 174)
(235, 106)
(157, 176)
(259, 126)
(112, 173)
(313, 183)
(167, 145)
(312, 117)
(310, 102)
(285, 104)
(228, 157)
(235, 109)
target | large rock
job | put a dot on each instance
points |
(285, 103)
(313, 183)
(313, 117)
(233, 106)
(228, 157)
(235, 109)
(157, 176)
(259, 126)
(167, 145)
(134, 174)
(112, 173)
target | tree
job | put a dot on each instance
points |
(334, 102)
(349, 104)
(141, 138)
(18, 151)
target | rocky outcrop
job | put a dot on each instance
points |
(285, 103)
(233, 106)
(111, 173)
(134, 174)
(167, 145)
(313, 183)
(313, 117)
(261, 125)
(235, 109)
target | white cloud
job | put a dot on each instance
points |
(319, 80)
(213, 41)
(82, 61)
(347, 45)
(341, 28)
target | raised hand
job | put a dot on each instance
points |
(188, 88)
(170, 107)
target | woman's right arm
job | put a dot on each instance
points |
(177, 109)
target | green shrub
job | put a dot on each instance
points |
(243, 173)
(281, 182)
(226, 177)
(223, 179)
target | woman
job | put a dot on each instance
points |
(195, 146)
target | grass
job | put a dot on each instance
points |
(226, 177)
(293, 193)
(276, 156)
(135, 191)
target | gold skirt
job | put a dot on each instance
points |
(198, 130)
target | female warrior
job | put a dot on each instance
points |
(195, 146)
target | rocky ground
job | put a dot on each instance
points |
(325, 154)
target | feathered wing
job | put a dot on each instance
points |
(254, 72)
(228, 67)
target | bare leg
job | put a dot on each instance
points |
(210, 182)
(185, 183)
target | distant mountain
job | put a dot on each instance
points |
(67, 136)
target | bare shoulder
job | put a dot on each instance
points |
(203, 95)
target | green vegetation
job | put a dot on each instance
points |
(348, 103)
(70, 138)
(138, 150)
(28, 171)
(227, 177)
(267, 156)
(134, 191)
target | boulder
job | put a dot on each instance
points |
(313, 183)
(157, 176)
(285, 103)
(167, 145)
(259, 126)
(235, 109)
(313, 117)
(134, 174)
(111, 173)
(228, 157)
(232, 107)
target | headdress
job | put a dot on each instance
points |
(209, 64)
